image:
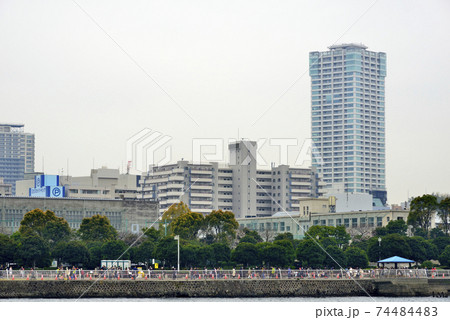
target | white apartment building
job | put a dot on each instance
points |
(239, 186)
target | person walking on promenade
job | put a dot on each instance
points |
(174, 273)
(233, 273)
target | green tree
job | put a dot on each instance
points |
(420, 232)
(205, 256)
(131, 239)
(174, 211)
(167, 251)
(245, 253)
(289, 250)
(295, 243)
(356, 257)
(338, 233)
(152, 234)
(441, 243)
(187, 225)
(321, 231)
(221, 224)
(393, 227)
(335, 258)
(391, 245)
(397, 226)
(421, 210)
(360, 243)
(436, 233)
(380, 231)
(188, 255)
(431, 250)
(221, 253)
(418, 247)
(144, 252)
(97, 228)
(444, 213)
(260, 247)
(275, 255)
(8, 249)
(310, 254)
(444, 257)
(284, 236)
(74, 252)
(250, 236)
(341, 236)
(34, 251)
(374, 249)
(46, 225)
(329, 241)
(248, 239)
(95, 253)
(115, 249)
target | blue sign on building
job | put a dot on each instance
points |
(43, 180)
(47, 186)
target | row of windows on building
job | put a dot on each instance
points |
(351, 222)
(269, 226)
(363, 222)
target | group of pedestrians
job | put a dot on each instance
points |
(117, 273)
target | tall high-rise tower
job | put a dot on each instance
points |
(16, 153)
(348, 118)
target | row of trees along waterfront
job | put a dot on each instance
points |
(215, 240)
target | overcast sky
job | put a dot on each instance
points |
(85, 76)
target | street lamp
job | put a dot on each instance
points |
(178, 238)
(379, 248)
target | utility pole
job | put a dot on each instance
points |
(178, 238)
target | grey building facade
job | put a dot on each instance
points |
(128, 216)
(348, 118)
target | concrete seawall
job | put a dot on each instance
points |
(221, 288)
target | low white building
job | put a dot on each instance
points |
(356, 223)
(5, 188)
(102, 183)
(323, 212)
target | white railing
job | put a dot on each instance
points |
(217, 274)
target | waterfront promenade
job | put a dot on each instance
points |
(163, 284)
(218, 274)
